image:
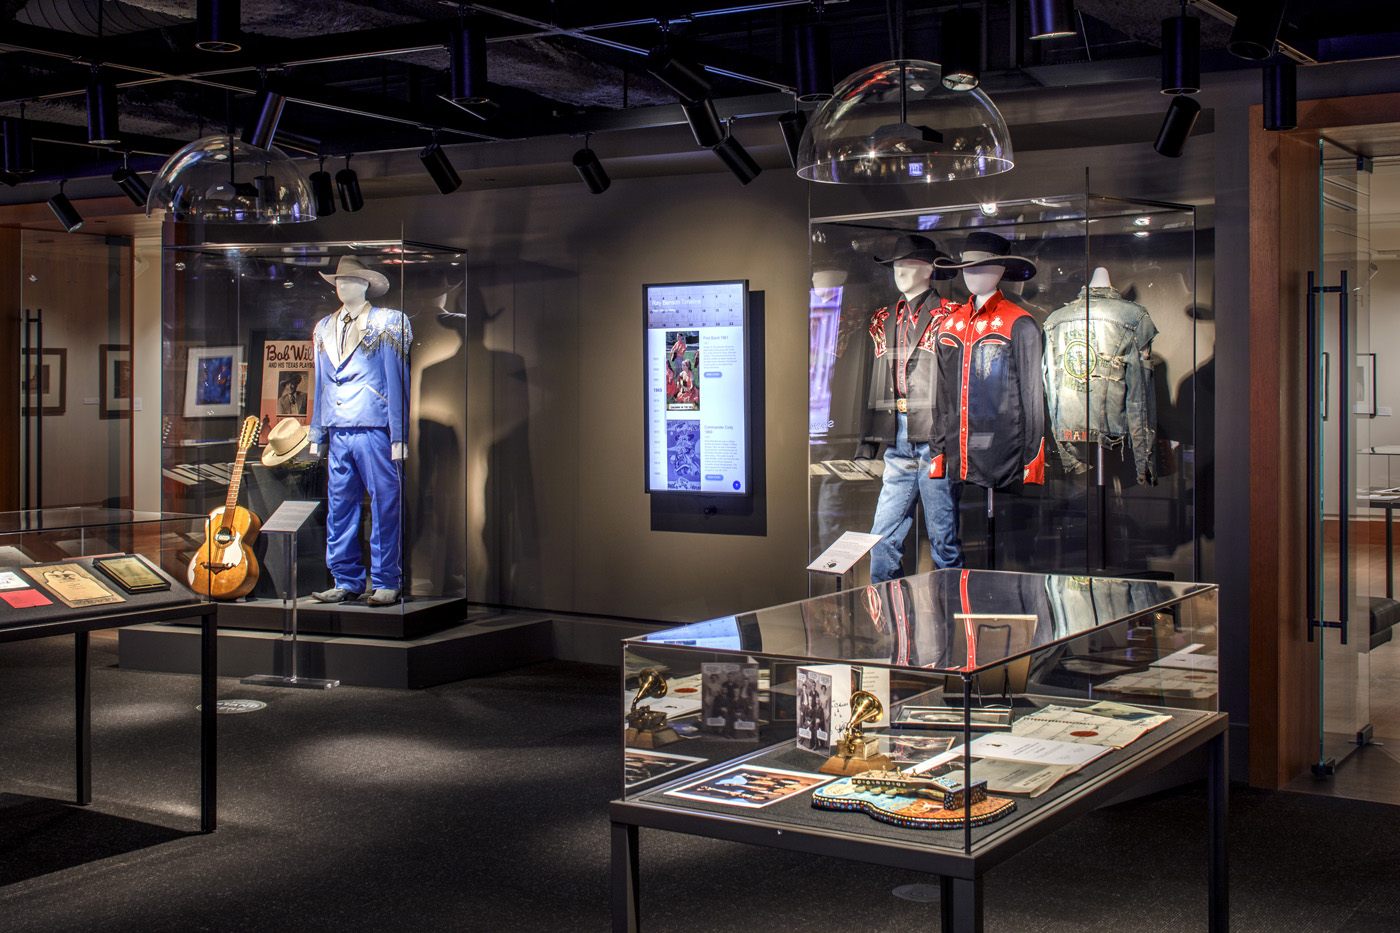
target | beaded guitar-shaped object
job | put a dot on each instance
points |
(224, 567)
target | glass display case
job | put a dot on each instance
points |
(946, 710)
(347, 360)
(1047, 359)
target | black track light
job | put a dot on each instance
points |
(132, 185)
(687, 79)
(1181, 55)
(1177, 125)
(267, 110)
(591, 170)
(792, 125)
(737, 159)
(1281, 96)
(814, 81)
(704, 122)
(102, 111)
(1051, 18)
(323, 191)
(217, 26)
(64, 210)
(19, 150)
(962, 49)
(348, 184)
(466, 48)
(440, 168)
(1256, 29)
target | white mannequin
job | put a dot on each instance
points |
(982, 282)
(1101, 279)
(912, 277)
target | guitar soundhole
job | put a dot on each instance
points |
(223, 537)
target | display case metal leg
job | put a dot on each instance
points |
(960, 904)
(1218, 797)
(208, 723)
(626, 895)
(82, 686)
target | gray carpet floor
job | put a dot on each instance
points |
(482, 805)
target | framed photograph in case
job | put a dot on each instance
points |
(214, 382)
(116, 381)
(131, 573)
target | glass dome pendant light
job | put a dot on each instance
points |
(221, 179)
(896, 123)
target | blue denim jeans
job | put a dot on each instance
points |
(906, 480)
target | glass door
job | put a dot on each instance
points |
(1341, 489)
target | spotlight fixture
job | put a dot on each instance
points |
(704, 122)
(814, 80)
(1051, 18)
(217, 26)
(323, 190)
(267, 110)
(737, 159)
(440, 168)
(64, 210)
(1256, 29)
(792, 124)
(685, 78)
(1177, 125)
(466, 48)
(1181, 55)
(591, 170)
(132, 184)
(19, 150)
(101, 111)
(962, 49)
(988, 208)
(1281, 96)
(348, 184)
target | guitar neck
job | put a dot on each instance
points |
(235, 481)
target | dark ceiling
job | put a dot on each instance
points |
(363, 75)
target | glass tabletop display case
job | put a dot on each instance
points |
(939, 722)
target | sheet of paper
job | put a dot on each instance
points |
(1188, 659)
(1067, 725)
(12, 581)
(844, 552)
(73, 585)
(290, 516)
(1009, 747)
(1124, 711)
(1164, 681)
(25, 599)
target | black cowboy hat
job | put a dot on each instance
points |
(988, 249)
(910, 246)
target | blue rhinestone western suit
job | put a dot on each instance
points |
(359, 414)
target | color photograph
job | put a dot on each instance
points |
(750, 786)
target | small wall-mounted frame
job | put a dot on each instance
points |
(116, 381)
(214, 382)
(1365, 387)
(44, 382)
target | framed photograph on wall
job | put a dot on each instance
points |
(214, 382)
(44, 382)
(116, 381)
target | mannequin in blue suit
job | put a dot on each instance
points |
(359, 416)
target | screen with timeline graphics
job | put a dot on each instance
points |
(697, 386)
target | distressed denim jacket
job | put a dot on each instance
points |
(1098, 378)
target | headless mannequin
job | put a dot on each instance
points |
(353, 301)
(912, 276)
(983, 282)
(1100, 279)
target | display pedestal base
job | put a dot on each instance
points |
(304, 683)
(845, 767)
(635, 738)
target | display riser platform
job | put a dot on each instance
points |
(418, 617)
(490, 641)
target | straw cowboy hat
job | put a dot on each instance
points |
(284, 442)
(351, 267)
(921, 248)
(988, 249)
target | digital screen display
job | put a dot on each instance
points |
(697, 388)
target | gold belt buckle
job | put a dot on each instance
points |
(902, 404)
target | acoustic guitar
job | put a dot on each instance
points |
(224, 567)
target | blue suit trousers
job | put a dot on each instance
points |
(360, 461)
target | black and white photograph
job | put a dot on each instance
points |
(642, 766)
(813, 710)
(729, 700)
(750, 786)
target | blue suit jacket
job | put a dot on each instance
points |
(369, 387)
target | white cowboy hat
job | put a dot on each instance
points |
(353, 268)
(284, 442)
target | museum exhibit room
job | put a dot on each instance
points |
(808, 465)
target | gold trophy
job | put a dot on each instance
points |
(646, 728)
(854, 752)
